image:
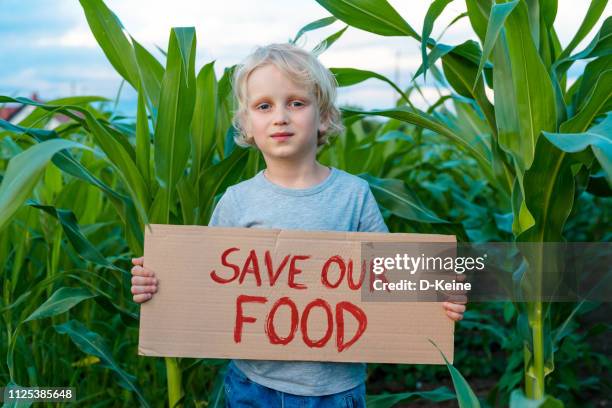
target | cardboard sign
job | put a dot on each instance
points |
(271, 294)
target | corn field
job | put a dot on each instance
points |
(513, 152)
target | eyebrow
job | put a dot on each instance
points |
(303, 96)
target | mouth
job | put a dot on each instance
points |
(281, 135)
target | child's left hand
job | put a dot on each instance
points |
(454, 310)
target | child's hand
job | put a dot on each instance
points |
(144, 282)
(454, 310)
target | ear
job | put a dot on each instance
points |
(323, 125)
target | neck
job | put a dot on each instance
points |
(288, 174)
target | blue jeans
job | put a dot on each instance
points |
(241, 392)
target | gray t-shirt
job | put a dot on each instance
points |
(342, 202)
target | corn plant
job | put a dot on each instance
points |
(537, 134)
(83, 217)
(182, 138)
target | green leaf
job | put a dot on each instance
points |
(67, 163)
(224, 112)
(375, 16)
(589, 78)
(599, 138)
(23, 172)
(593, 105)
(421, 119)
(461, 73)
(113, 143)
(433, 12)
(203, 124)
(531, 98)
(328, 42)
(323, 22)
(93, 344)
(60, 301)
(465, 396)
(389, 400)
(548, 194)
(600, 45)
(497, 18)
(71, 228)
(395, 196)
(40, 117)
(352, 76)
(174, 116)
(108, 31)
(596, 8)
(143, 138)
(478, 13)
(151, 74)
(218, 177)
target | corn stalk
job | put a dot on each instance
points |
(540, 131)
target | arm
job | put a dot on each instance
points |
(144, 282)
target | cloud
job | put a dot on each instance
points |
(52, 50)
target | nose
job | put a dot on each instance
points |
(281, 117)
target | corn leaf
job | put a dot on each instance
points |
(60, 301)
(433, 12)
(24, 171)
(73, 232)
(465, 396)
(593, 105)
(532, 96)
(93, 344)
(596, 9)
(143, 139)
(108, 31)
(497, 18)
(203, 124)
(174, 116)
(589, 78)
(375, 16)
(321, 47)
(218, 177)
(352, 76)
(423, 120)
(323, 22)
(598, 137)
(395, 196)
(151, 74)
(478, 14)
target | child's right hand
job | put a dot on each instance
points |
(144, 282)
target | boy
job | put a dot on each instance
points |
(286, 109)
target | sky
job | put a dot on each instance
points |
(46, 45)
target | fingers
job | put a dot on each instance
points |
(455, 307)
(138, 270)
(454, 310)
(454, 316)
(144, 289)
(143, 280)
(143, 297)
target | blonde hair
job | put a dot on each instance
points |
(300, 66)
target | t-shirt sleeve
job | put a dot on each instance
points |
(224, 214)
(371, 220)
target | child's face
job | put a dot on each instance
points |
(282, 116)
